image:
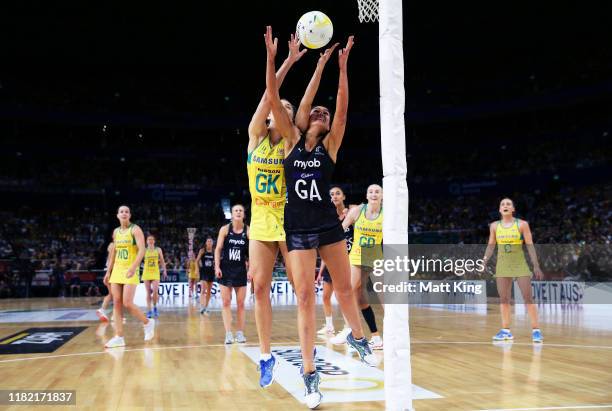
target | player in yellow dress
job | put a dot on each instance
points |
(122, 274)
(265, 156)
(367, 245)
(150, 275)
(509, 233)
(192, 274)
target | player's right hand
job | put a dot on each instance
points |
(344, 53)
(294, 49)
(218, 273)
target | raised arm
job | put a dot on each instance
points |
(526, 231)
(257, 126)
(281, 118)
(303, 114)
(336, 134)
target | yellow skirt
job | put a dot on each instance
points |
(512, 265)
(365, 256)
(152, 275)
(267, 223)
(118, 276)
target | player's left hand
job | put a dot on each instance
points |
(324, 57)
(271, 43)
(130, 272)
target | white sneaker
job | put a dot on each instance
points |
(312, 394)
(326, 330)
(116, 353)
(240, 338)
(376, 343)
(102, 315)
(149, 330)
(115, 342)
(229, 337)
(340, 338)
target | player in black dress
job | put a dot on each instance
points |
(231, 255)
(311, 221)
(205, 263)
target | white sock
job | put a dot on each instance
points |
(265, 357)
(506, 330)
(328, 322)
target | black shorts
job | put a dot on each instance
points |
(232, 281)
(232, 278)
(209, 277)
(308, 241)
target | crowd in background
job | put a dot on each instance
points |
(73, 241)
(60, 193)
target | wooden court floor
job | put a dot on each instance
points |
(188, 367)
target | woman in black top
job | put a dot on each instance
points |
(311, 221)
(206, 258)
(231, 255)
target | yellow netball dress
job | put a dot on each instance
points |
(268, 191)
(151, 265)
(126, 251)
(367, 239)
(192, 270)
(511, 260)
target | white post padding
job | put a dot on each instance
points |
(398, 375)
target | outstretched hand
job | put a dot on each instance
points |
(294, 49)
(344, 53)
(271, 44)
(324, 57)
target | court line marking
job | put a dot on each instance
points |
(605, 347)
(109, 350)
(179, 347)
(573, 407)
